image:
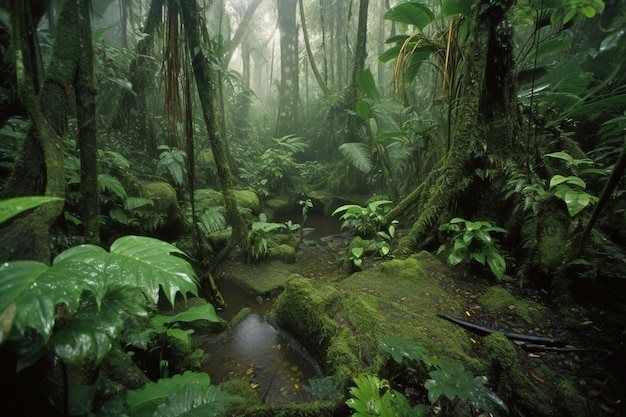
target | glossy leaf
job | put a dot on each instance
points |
(416, 14)
(14, 206)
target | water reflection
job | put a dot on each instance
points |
(271, 362)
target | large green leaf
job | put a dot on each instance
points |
(149, 263)
(154, 393)
(14, 206)
(201, 312)
(50, 287)
(366, 84)
(15, 277)
(453, 7)
(197, 400)
(416, 14)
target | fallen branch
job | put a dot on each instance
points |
(539, 340)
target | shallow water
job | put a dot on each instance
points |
(270, 360)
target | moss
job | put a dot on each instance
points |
(520, 312)
(571, 400)
(407, 297)
(248, 199)
(241, 389)
(284, 253)
(303, 310)
(279, 206)
(315, 409)
(263, 278)
(239, 317)
(502, 360)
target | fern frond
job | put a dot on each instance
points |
(358, 154)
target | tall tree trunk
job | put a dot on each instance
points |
(86, 90)
(28, 237)
(289, 84)
(360, 55)
(131, 116)
(309, 51)
(477, 86)
(240, 33)
(191, 15)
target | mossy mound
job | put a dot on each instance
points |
(519, 312)
(263, 278)
(248, 199)
(342, 322)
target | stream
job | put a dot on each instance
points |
(272, 362)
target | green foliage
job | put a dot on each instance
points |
(570, 188)
(402, 350)
(275, 169)
(95, 288)
(83, 305)
(186, 394)
(305, 205)
(364, 221)
(261, 237)
(356, 256)
(452, 380)
(374, 396)
(14, 206)
(387, 238)
(378, 131)
(473, 241)
(172, 160)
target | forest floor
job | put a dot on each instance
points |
(593, 360)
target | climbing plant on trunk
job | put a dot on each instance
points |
(200, 64)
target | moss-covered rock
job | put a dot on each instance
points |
(262, 278)
(520, 312)
(279, 206)
(284, 253)
(248, 199)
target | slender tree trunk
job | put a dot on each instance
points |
(289, 84)
(240, 33)
(360, 56)
(191, 15)
(324, 54)
(309, 51)
(86, 90)
(132, 116)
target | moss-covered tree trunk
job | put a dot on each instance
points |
(28, 237)
(71, 70)
(485, 97)
(191, 22)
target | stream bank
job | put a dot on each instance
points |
(340, 320)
